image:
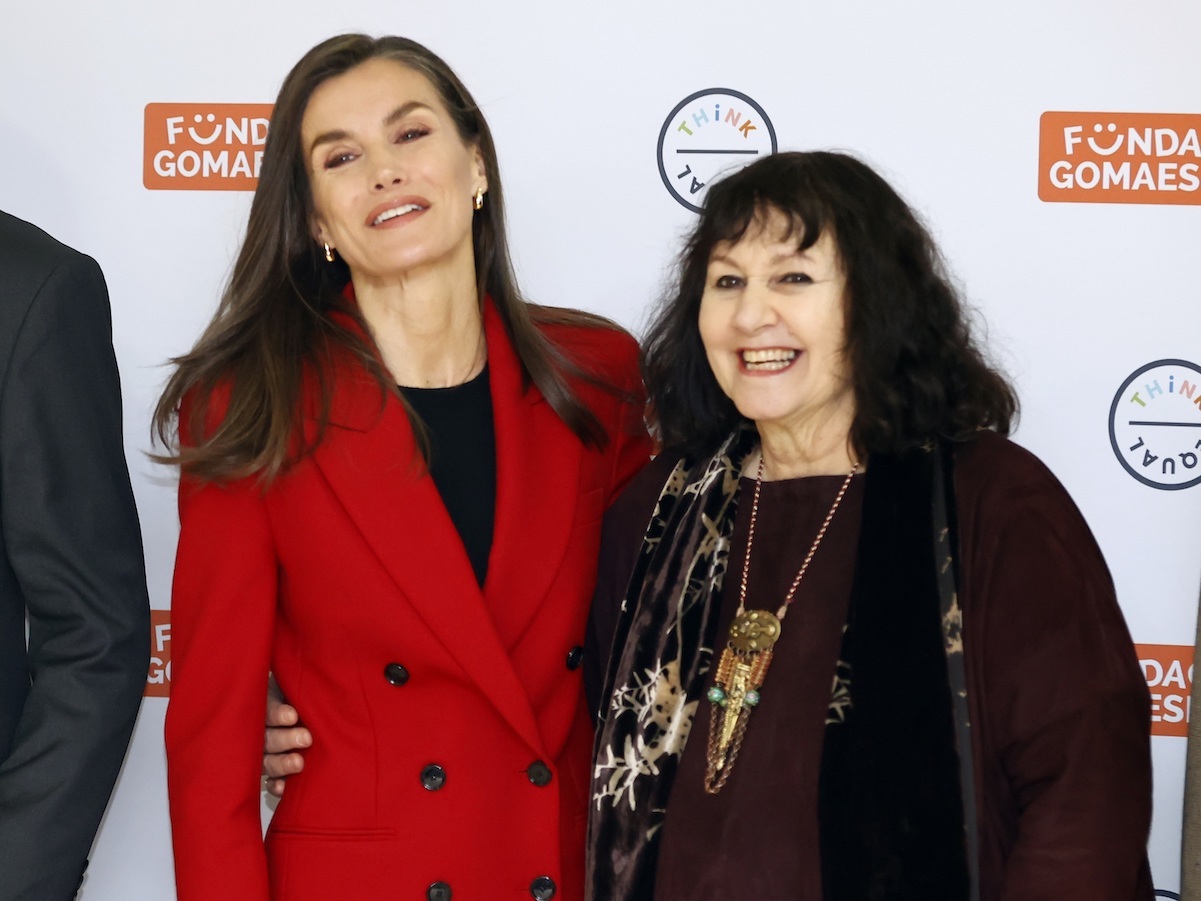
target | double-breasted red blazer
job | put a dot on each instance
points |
(451, 744)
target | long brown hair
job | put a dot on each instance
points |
(273, 322)
(917, 370)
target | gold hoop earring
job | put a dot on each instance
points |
(329, 253)
(479, 198)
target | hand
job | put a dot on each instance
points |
(285, 737)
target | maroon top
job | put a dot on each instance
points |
(1060, 712)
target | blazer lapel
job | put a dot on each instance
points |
(370, 460)
(537, 484)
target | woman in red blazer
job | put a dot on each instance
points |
(331, 536)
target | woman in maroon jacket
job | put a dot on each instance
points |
(801, 701)
(393, 476)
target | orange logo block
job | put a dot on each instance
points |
(158, 679)
(204, 146)
(1168, 669)
(1119, 158)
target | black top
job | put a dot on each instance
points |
(463, 459)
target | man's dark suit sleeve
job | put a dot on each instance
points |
(73, 548)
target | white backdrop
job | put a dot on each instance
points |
(945, 97)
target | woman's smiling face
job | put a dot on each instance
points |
(392, 181)
(773, 323)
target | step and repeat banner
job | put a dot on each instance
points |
(1052, 147)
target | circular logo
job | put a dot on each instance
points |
(1155, 424)
(706, 134)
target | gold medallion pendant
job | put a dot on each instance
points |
(747, 655)
(740, 673)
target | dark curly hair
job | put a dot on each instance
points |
(916, 372)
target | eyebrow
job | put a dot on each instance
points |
(340, 134)
(801, 255)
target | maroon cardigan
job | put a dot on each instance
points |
(1059, 707)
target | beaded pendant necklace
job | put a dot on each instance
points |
(748, 653)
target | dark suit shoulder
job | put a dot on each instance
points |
(30, 255)
(37, 270)
(46, 286)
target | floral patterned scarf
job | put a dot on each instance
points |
(655, 678)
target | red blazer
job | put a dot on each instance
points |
(451, 744)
